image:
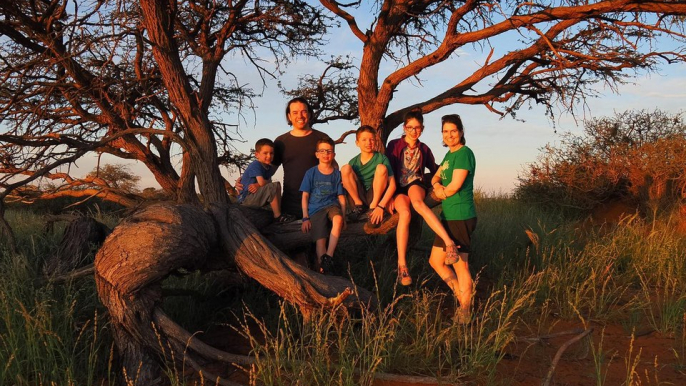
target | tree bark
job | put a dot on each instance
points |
(81, 236)
(162, 238)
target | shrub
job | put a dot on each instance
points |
(636, 155)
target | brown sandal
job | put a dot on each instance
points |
(404, 275)
(451, 254)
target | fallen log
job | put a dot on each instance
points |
(161, 239)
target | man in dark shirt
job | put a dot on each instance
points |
(295, 150)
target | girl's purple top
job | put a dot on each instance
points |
(394, 152)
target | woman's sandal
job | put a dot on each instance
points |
(462, 316)
(404, 275)
(451, 254)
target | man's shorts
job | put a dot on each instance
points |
(264, 195)
(460, 231)
(320, 221)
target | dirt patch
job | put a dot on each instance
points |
(649, 359)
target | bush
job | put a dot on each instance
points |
(637, 156)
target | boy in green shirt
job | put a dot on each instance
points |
(368, 178)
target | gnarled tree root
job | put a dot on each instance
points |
(160, 239)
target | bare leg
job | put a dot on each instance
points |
(465, 282)
(402, 231)
(349, 180)
(276, 205)
(417, 194)
(320, 247)
(436, 260)
(335, 234)
(379, 184)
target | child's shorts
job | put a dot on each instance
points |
(406, 188)
(320, 228)
(365, 195)
(264, 195)
(461, 233)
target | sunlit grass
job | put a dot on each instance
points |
(631, 275)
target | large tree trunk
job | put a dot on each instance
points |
(160, 239)
(81, 236)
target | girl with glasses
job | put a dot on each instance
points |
(410, 159)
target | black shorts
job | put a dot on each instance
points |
(320, 221)
(365, 195)
(460, 231)
(406, 188)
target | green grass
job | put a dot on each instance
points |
(632, 275)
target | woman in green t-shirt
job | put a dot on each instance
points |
(454, 184)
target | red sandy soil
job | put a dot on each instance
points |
(528, 361)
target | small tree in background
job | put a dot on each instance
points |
(635, 155)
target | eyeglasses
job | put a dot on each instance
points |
(324, 151)
(415, 128)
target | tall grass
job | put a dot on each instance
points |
(632, 274)
(49, 335)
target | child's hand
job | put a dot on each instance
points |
(390, 207)
(439, 194)
(252, 188)
(306, 226)
(377, 215)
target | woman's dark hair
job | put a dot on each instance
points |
(414, 114)
(310, 112)
(457, 121)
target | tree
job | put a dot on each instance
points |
(144, 80)
(556, 52)
(141, 81)
(110, 182)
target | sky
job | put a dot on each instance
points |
(502, 147)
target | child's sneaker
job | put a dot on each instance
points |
(357, 213)
(327, 265)
(285, 218)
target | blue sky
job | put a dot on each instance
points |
(502, 146)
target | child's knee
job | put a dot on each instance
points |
(418, 204)
(346, 170)
(404, 215)
(381, 171)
